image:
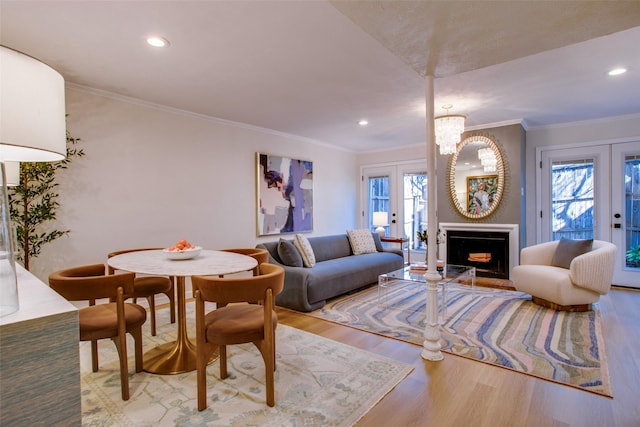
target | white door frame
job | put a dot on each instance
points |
(395, 172)
(601, 159)
(609, 157)
(622, 275)
(375, 172)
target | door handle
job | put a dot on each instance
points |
(617, 224)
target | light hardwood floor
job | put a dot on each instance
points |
(461, 392)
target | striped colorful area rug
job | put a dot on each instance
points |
(499, 327)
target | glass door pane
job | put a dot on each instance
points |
(575, 193)
(378, 184)
(378, 190)
(632, 211)
(415, 208)
(572, 199)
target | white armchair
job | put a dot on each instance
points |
(574, 289)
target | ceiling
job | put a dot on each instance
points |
(314, 68)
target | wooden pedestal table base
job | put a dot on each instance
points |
(178, 356)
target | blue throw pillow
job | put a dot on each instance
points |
(288, 254)
(376, 239)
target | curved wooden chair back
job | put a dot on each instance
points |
(150, 286)
(234, 323)
(104, 320)
(260, 255)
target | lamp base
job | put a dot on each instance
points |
(380, 231)
(8, 278)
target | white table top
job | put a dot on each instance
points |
(207, 263)
(37, 300)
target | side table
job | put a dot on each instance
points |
(401, 241)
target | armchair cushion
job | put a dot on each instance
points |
(568, 249)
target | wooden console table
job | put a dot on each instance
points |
(401, 241)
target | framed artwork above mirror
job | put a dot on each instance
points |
(476, 177)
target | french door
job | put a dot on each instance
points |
(593, 192)
(400, 191)
(625, 230)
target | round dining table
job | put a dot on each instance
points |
(179, 356)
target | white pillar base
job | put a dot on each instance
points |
(431, 345)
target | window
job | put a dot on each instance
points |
(572, 199)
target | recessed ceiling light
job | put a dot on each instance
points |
(156, 41)
(617, 71)
(363, 122)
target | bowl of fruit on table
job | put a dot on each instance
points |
(182, 250)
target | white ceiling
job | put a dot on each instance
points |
(314, 68)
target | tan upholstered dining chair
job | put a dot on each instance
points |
(150, 286)
(106, 319)
(234, 321)
(260, 255)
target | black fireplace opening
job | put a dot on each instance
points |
(487, 251)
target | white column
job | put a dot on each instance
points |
(431, 345)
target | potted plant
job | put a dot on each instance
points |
(633, 257)
(423, 237)
(33, 203)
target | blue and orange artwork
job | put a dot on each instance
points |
(285, 195)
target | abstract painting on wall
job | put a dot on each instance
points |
(285, 195)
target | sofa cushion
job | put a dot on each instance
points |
(305, 249)
(568, 249)
(335, 277)
(330, 247)
(361, 241)
(288, 254)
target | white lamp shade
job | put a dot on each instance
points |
(380, 219)
(32, 110)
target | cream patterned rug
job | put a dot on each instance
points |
(319, 382)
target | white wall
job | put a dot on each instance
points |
(152, 176)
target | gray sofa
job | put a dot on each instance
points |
(337, 271)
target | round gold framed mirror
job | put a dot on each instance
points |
(476, 177)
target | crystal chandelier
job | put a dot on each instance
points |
(448, 129)
(488, 159)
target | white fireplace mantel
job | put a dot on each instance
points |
(512, 229)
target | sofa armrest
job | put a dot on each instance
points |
(540, 254)
(396, 251)
(295, 291)
(594, 270)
